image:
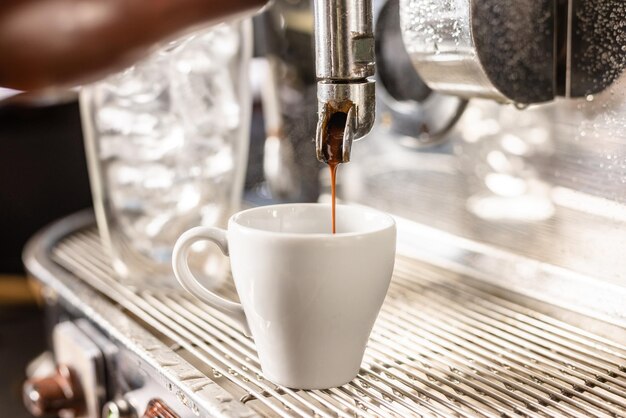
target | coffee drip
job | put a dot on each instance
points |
(333, 154)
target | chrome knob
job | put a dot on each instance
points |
(52, 394)
(119, 408)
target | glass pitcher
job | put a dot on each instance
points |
(167, 143)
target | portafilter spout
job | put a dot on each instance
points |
(344, 56)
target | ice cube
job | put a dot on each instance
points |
(222, 40)
(207, 103)
(138, 136)
(136, 85)
(202, 87)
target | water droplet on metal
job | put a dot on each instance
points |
(509, 387)
(182, 398)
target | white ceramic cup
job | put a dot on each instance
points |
(309, 298)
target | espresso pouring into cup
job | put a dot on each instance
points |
(309, 298)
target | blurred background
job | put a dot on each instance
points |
(43, 176)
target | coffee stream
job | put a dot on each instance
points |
(333, 150)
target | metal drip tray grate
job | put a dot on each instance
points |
(440, 347)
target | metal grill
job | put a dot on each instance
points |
(440, 347)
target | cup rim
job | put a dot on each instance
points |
(389, 222)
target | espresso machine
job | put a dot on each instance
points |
(493, 131)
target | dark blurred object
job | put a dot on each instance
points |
(47, 43)
(43, 174)
(22, 337)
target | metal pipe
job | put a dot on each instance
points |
(344, 52)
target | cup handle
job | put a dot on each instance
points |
(191, 284)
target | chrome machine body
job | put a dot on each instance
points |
(498, 142)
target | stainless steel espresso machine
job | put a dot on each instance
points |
(494, 131)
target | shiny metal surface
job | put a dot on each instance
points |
(344, 40)
(283, 38)
(438, 39)
(407, 107)
(118, 409)
(279, 165)
(552, 175)
(444, 345)
(153, 359)
(572, 258)
(344, 57)
(357, 100)
(528, 51)
(491, 49)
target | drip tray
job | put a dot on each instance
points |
(441, 347)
